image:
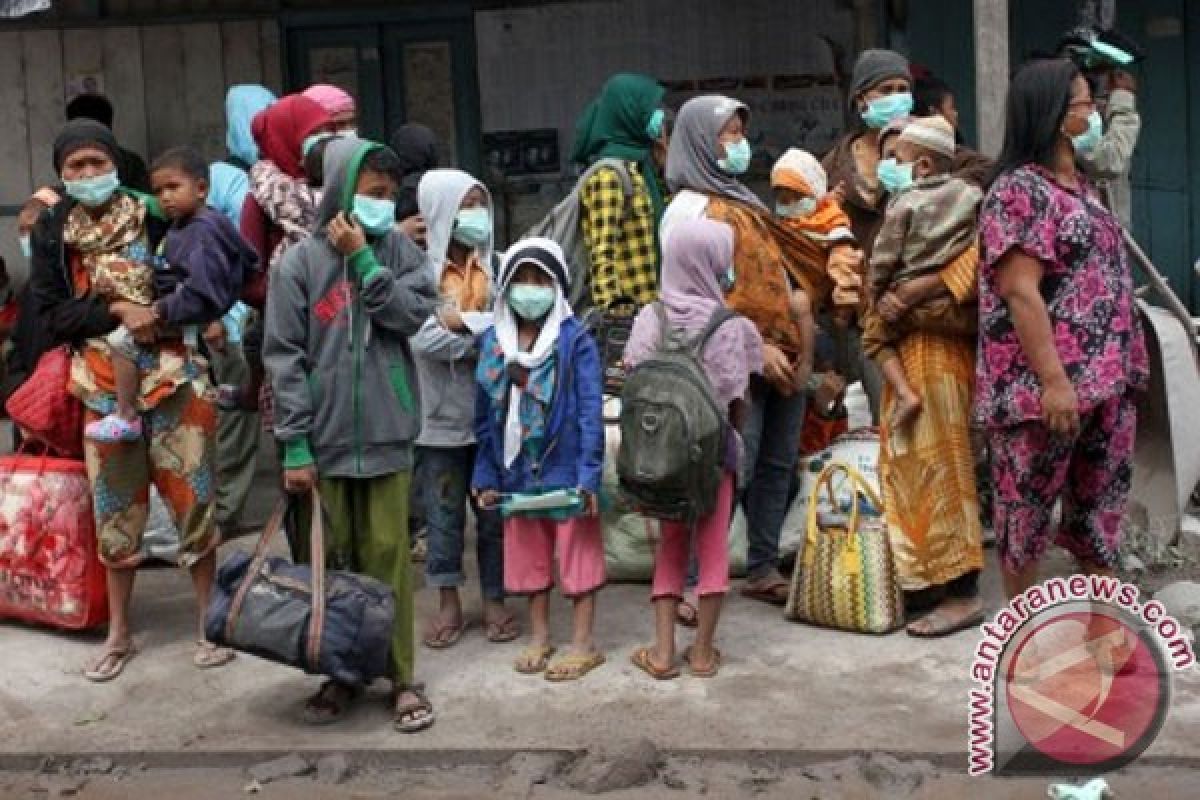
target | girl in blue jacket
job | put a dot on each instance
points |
(540, 428)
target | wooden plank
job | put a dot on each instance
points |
(166, 105)
(272, 56)
(125, 85)
(14, 143)
(82, 55)
(242, 47)
(44, 99)
(204, 89)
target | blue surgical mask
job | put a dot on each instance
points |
(1086, 142)
(727, 279)
(530, 301)
(893, 176)
(472, 227)
(376, 216)
(804, 207)
(94, 191)
(737, 157)
(654, 127)
(883, 110)
(26, 246)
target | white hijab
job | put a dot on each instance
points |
(548, 256)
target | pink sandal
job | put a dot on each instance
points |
(113, 429)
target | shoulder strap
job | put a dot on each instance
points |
(617, 166)
(664, 325)
(718, 318)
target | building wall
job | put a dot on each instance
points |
(539, 67)
(167, 83)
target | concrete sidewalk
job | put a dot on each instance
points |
(790, 690)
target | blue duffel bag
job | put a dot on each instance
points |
(337, 624)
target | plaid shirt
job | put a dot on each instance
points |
(621, 242)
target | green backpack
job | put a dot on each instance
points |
(673, 428)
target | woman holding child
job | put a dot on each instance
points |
(919, 327)
(104, 235)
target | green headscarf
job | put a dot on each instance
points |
(614, 126)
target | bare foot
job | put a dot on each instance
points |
(908, 407)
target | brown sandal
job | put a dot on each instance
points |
(330, 703)
(710, 672)
(419, 712)
(642, 659)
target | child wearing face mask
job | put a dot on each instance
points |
(540, 429)
(930, 223)
(458, 216)
(804, 205)
(339, 314)
(190, 284)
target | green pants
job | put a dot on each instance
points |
(366, 531)
(238, 434)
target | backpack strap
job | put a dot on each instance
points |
(616, 165)
(718, 318)
(664, 325)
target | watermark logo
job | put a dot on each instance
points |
(1074, 673)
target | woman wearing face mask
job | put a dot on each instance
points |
(624, 122)
(102, 230)
(770, 271)
(458, 212)
(1061, 342)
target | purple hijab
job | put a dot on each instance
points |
(696, 254)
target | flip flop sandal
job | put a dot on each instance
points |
(434, 639)
(211, 656)
(506, 630)
(776, 594)
(972, 620)
(712, 670)
(330, 703)
(573, 667)
(115, 658)
(421, 706)
(534, 659)
(688, 619)
(641, 659)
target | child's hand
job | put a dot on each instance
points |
(300, 480)
(486, 498)
(214, 336)
(452, 320)
(346, 234)
(591, 503)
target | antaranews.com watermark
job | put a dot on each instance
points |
(1075, 672)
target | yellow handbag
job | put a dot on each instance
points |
(845, 576)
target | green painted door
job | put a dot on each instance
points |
(401, 69)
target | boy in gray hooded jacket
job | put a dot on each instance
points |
(457, 210)
(339, 313)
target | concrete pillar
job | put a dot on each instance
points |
(991, 72)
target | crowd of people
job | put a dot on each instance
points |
(353, 296)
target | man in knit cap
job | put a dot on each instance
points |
(929, 224)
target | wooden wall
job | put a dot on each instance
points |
(167, 83)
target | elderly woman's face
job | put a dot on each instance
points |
(87, 162)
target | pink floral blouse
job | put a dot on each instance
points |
(1087, 287)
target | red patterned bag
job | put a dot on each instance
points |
(49, 571)
(45, 410)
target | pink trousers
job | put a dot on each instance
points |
(711, 546)
(529, 548)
